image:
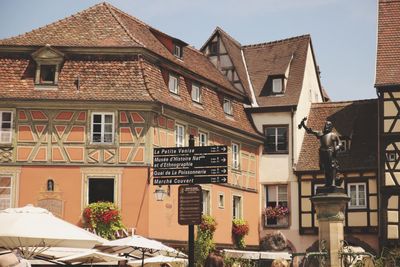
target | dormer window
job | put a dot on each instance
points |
(177, 50)
(173, 84)
(196, 93)
(228, 106)
(48, 65)
(48, 74)
(277, 85)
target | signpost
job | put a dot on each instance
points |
(188, 167)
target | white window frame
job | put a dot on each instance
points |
(278, 194)
(221, 204)
(206, 195)
(196, 93)
(277, 85)
(391, 156)
(228, 106)
(10, 199)
(357, 205)
(235, 156)
(6, 131)
(103, 114)
(179, 135)
(177, 51)
(203, 139)
(238, 209)
(173, 84)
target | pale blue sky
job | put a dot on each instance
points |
(343, 31)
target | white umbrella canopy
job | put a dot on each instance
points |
(33, 230)
(91, 256)
(157, 260)
(136, 242)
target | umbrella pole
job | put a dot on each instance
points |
(143, 258)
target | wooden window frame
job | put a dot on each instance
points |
(102, 131)
(240, 206)
(181, 142)
(282, 89)
(277, 200)
(201, 133)
(175, 89)
(10, 199)
(221, 205)
(178, 50)
(276, 127)
(206, 202)
(235, 156)
(357, 206)
(3, 131)
(227, 105)
(196, 98)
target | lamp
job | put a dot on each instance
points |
(159, 193)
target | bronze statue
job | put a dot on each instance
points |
(330, 145)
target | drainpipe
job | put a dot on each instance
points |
(292, 136)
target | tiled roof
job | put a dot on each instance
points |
(234, 49)
(388, 48)
(355, 119)
(107, 79)
(264, 60)
(210, 108)
(103, 25)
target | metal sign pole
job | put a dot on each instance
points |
(191, 226)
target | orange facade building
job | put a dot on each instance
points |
(86, 99)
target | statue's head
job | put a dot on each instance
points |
(328, 127)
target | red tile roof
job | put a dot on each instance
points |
(106, 26)
(355, 119)
(264, 60)
(388, 49)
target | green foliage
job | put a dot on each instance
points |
(104, 218)
(388, 258)
(240, 228)
(229, 262)
(204, 243)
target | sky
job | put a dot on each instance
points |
(343, 32)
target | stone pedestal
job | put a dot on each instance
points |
(330, 214)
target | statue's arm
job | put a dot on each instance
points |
(338, 144)
(308, 130)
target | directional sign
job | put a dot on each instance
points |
(190, 150)
(187, 172)
(190, 204)
(191, 180)
(194, 161)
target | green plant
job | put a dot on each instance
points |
(104, 218)
(240, 228)
(229, 262)
(204, 243)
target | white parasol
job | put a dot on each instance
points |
(157, 260)
(91, 256)
(33, 230)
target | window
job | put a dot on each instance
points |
(179, 135)
(235, 156)
(48, 74)
(177, 50)
(276, 196)
(227, 106)
(50, 185)
(203, 139)
(196, 93)
(206, 202)
(173, 84)
(277, 86)
(5, 192)
(103, 128)
(391, 156)
(358, 195)
(237, 207)
(5, 127)
(101, 189)
(221, 200)
(213, 48)
(276, 139)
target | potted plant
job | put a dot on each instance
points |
(103, 218)
(240, 228)
(274, 213)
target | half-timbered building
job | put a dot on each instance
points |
(84, 101)
(387, 84)
(355, 122)
(281, 79)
